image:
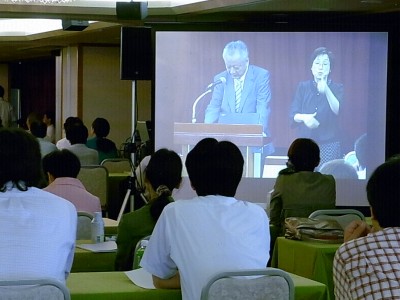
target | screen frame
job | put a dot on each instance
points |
(368, 23)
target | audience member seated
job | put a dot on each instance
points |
(38, 129)
(162, 175)
(139, 173)
(38, 229)
(32, 117)
(77, 135)
(62, 168)
(105, 147)
(366, 266)
(212, 232)
(48, 119)
(299, 190)
(339, 169)
(64, 143)
(360, 148)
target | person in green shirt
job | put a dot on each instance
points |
(162, 175)
(105, 147)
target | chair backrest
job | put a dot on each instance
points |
(84, 228)
(95, 180)
(33, 289)
(343, 216)
(135, 258)
(269, 283)
(117, 165)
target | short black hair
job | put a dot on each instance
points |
(215, 168)
(76, 133)
(61, 163)
(50, 115)
(20, 157)
(383, 193)
(70, 121)
(304, 154)
(38, 129)
(101, 127)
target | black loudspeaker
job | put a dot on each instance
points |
(131, 10)
(74, 25)
(136, 61)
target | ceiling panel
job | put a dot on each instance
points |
(107, 31)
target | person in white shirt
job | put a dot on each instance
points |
(38, 129)
(48, 119)
(38, 229)
(211, 233)
(77, 135)
(6, 111)
(64, 143)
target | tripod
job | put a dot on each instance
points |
(133, 182)
(135, 188)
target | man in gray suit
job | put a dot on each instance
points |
(244, 89)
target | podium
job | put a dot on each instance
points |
(245, 136)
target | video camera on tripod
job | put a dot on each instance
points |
(135, 149)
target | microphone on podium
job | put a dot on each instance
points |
(220, 80)
(208, 90)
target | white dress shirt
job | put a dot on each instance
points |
(204, 236)
(38, 232)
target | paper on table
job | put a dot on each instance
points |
(141, 278)
(110, 246)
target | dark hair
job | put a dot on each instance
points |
(1, 91)
(70, 121)
(360, 148)
(62, 163)
(215, 168)
(33, 117)
(50, 115)
(320, 51)
(101, 128)
(383, 193)
(303, 155)
(20, 157)
(76, 133)
(38, 129)
(163, 170)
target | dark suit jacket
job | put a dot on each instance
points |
(256, 96)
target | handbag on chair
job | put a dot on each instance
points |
(305, 229)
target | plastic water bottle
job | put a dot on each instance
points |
(97, 228)
(140, 252)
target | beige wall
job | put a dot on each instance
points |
(105, 95)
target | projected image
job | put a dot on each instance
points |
(262, 90)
